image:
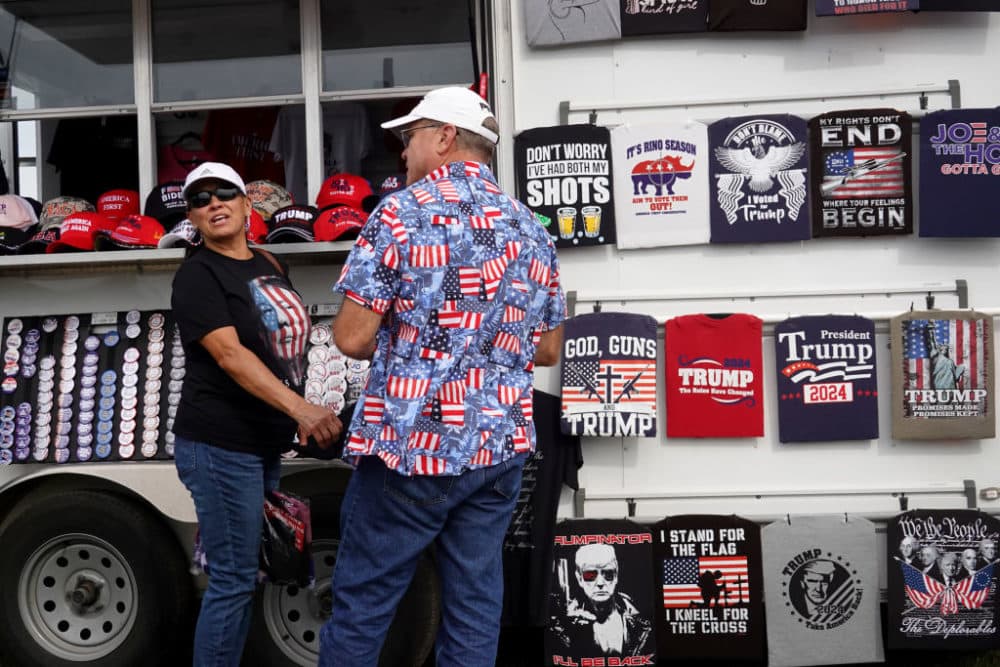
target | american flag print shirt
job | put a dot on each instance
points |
(467, 281)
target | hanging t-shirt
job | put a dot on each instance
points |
(609, 375)
(861, 177)
(211, 291)
(661, 180)
(959, 172)
(821, 591)
(758, 179)
(241, 138)
(709, 568)
(555, 23)
(174, 163)
(942, 375)
(827, 388)
(714, 377)
(564, 176)
(346, 141)
(842, 8)
(642, 17)
(601, 605)
(942, 580)
(756, 15)
(527, 548)
(94, 155)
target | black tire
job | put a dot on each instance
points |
(127, 573)
(287, 619)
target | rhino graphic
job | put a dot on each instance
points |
(660, 174)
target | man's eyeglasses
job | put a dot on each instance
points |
(204, 198)
(591, 575)
(404, 135)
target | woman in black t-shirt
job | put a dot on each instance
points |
(244, 330)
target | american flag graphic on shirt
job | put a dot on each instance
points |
(878, 169)
(458, 263)
(681, 577)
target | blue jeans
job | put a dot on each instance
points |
(228, 491)
(386, 522)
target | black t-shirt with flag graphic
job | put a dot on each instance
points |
(709, 569)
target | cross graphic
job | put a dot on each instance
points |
(609, 377)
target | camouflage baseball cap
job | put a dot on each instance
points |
(58, 208)
(267, 197)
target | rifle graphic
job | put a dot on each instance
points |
(587, 384)
(859, 170)
(630, 385)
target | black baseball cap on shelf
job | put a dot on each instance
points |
(292, 224)
(11, 239)
(166, 203)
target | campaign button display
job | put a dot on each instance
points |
(133, 317)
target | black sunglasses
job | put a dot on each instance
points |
(204, 198)
(404, 135)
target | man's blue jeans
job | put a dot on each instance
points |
(386, 522)
(228, 491)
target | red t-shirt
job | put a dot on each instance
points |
(241, 138)
(714, 377)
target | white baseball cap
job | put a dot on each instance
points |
(456, 106)
(216, 170)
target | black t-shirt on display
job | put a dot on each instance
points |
(94, 155)
(211, 291)
(755, 15)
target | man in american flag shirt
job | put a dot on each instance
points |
(453, 290)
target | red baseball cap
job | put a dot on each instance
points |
(116, 204)
(338, 223)
(256, 227)
(346, 190)
(79, 231)
(132, 231)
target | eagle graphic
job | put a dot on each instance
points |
(761, 163)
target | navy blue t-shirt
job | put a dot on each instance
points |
(959, 172)
(759, 179)
(827, 388)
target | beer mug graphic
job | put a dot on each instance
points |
(566, 217)
(591, 221)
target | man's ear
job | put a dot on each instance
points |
(447, 138)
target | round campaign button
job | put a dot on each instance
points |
(86, 405)
(128, 414)
(317, 371)
(131, 354)
(108, 377)
(130, 403)
(66, 386)
(62, 441)
(320, 334)
(154, 360)
(175, 386)
(336, 367)
(126, 438)
(107, 390)
(8, 386)
(85, 423)
(130, 381)
(111, 338)
(69, 350)
(169, 438)
(156, 335)
(155, 347)
(150, 399)
(133, 317)
(8, 412)
(62, 455)
(104, 438)
(10, 369)
(88, 382)
(104, 428)
(334, 400)
(45, 394)
(176, 362)
(130, 367)
(22, 431)
(84, 439)
(335, 383)
(168, 449)
(126, 451)
(67, 374)
(173, 399)
(15, 326)
(150, 436)
(171, 411)
(72, 323)
(151, 423)
(156, 321)
(177, 350)
(84, 453)
(148, 449)
(28, 371)
(103, 450)
(22, 453)
(91, 343)
(47, 363)
(65, 414)
(318, 354)
(29, 354)
(314, 387)
(11, 355)
(6, 440)
(49, 324)
(7, 427)
(6, 457)
(40, 453)
(23, 408)
(64, 400)
(154, 373)
(105, 415)
(151, 410)
(91, 359)
(31, 337)
(177, 374)
(88, 391)
(71, 336)
(129, 392)
(88, 372)
(357, 365)
(127, 426)
(13, 341)
(106, 403)
(67, 362)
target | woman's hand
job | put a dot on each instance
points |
(319, 423)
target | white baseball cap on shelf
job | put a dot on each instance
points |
(453, 105)
(216, 170)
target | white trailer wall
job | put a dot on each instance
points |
(836, 55)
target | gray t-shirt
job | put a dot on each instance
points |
(554, 22)
(821, 591)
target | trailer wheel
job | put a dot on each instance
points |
(287, 619)
(89, 577)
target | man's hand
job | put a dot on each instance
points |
(319, 423)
